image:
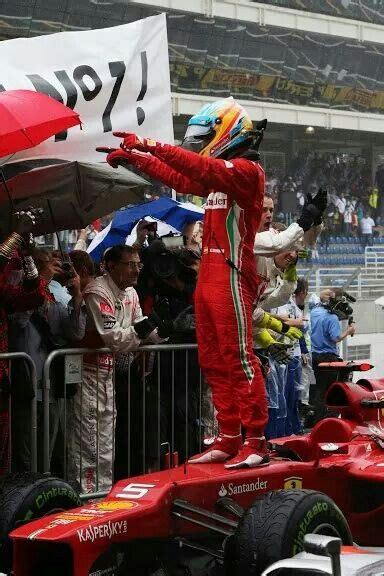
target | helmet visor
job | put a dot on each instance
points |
(197, 137)
(197, 130)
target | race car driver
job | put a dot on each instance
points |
(114, 320)
(218, 160)
(228, 282)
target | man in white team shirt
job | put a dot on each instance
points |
(269, 242)
(114, 320)
(366, 228)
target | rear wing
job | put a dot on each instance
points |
(345, 366)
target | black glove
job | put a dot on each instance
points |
(279, 352)
(313, 210)
(144, 327)
(159, 318)
(321, 201)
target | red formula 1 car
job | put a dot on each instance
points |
(208, 520)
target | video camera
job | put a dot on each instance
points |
(163, 260)
(340, 305)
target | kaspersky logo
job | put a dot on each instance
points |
(232, 489)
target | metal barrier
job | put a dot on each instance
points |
(374, 257)
(359, 282)
(158, 427)
(10, 357)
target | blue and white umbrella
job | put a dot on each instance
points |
(171, 212)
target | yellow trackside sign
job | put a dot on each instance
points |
(293, 482)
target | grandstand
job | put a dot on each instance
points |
(345, 264)
(298, 63)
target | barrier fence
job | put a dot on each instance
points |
(94, 420)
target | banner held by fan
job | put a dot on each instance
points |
(115, 79)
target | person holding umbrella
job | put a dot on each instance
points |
(30, 293)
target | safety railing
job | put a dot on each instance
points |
(149, 403)
(374, 258)
(23, 436)
(360, 282)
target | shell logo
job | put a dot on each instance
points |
(115, 505)
(293, 482)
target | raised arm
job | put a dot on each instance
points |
(155, 168)
(241, 178)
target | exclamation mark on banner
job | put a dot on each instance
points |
(144, 85)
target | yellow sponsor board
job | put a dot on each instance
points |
(72, 516)
(115, 505)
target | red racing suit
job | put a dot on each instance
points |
(228, 283)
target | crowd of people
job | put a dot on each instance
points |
(70, 303)
(232, 287)
(354, 208)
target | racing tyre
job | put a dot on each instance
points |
(273, 528)
(26, 496)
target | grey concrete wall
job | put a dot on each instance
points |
(369, 318)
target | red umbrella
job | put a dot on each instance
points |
(27, 118)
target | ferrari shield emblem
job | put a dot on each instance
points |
(293, 482)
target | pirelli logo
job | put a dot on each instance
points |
(217, 200)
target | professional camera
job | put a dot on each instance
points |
(163, 260)
(340, 305)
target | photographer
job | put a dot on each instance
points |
(325, 336)
(169, 279)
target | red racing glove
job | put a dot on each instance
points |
(135, 142)
(117, 156)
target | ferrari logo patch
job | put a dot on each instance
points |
(293, 482)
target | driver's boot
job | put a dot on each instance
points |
(252, 454)
(223, 448)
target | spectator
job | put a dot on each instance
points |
(30, 292)
(373, 199)
(114, 320)
(349, 209)
(179, 400)
(366, 228)
(38, 331)
(57, 284)
(325, 337)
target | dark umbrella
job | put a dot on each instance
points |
(71, 194)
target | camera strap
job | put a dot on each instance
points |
(228, 261)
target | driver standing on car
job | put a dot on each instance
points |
(218, 163)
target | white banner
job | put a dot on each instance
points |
(115, 78)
